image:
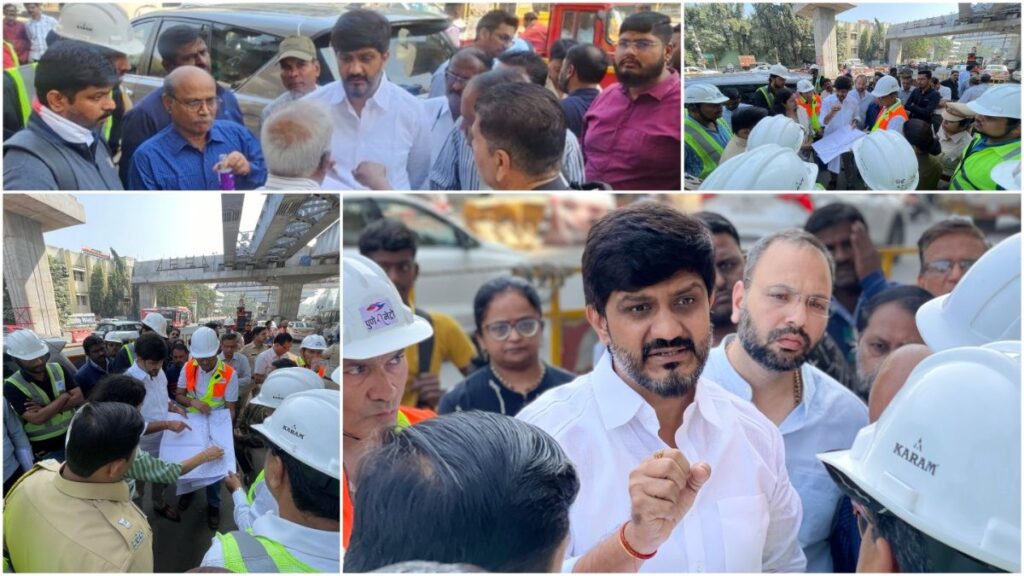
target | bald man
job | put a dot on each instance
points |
(892, 374)
(196, 151)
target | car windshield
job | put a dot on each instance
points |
(415, 52)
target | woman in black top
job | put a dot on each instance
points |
(509, 327)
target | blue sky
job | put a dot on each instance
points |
(888, 12)
(153, 225)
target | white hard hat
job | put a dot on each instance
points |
(886, 161)
(204, 343)
(157, 322)
(983, 307)
(25, 345)
(779, 130)
(804, 86)
(111, 337)
(815, 67)
(1002, 101)
(305, 426)
(314, 342)
(105, 25)
(703, 93)
(945, 454)
(767, 167)
(1007, 174)
(886, 85)
(778, 70)
(284, 382)
(336, 376)
(376, 320)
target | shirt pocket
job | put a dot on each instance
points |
(744, 522)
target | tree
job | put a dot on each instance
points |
(61, 294)
(778, 34)
(842, 39)
(206, 300)
(118, 285)
(98, 290)
(175, 295)
(941, 48)
(864, 45)
(917, 49)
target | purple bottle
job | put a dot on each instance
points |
(227, 177)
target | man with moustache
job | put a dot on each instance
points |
(296, 57)
(631, 133)
(782, 307)
(886, 325)
(646, 431)
(375, 120)
(443, 111)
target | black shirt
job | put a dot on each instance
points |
(922, 105)
(482, 390)
(576, 105)
(17, 400)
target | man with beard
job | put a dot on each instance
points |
(782, 308)
(858, 268)
(580, 79)
(95, 366)
(443, 111)
(707, 133)
(646, 432)
(886, 325)
(375, 120)
(728, 271)
(60, 149)
(296, 57)
(631, 133)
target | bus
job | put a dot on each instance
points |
(177, 316)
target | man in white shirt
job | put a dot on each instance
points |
(635, 424)
(38, 26)
(281, 348)
(782, 308)
(230, 343)
(150, 353)
(862, 97)
(374, 119)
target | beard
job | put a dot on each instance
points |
(864, 382)
(763, 354)
(674, 384)
(634, 78)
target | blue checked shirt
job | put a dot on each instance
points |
(455, 169)
(168, 162)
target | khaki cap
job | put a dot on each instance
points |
(954, 112)
(299, 47)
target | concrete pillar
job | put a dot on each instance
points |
(895, 52)
(27, 274)
(824, 22)
(288, 298)
(147, 296)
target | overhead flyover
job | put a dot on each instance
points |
(288, 223)
(998, 18)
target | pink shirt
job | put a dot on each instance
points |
(635, 144)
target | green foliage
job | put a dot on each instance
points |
(98, 290)
(199, 298)
(61, 293)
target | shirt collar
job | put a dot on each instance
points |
(383, 97)
(116, 491)
(178, 142)
(66, 129)
(318, 543)
(660, 90)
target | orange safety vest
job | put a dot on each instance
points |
(411, 416)
(895, 111)
(813, 109)
(214, 396)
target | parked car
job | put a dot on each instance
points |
(746, 82)
(998, 72)
(126, 330)
(300, 330)
(243, 41)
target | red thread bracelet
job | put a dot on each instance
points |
(629, 549)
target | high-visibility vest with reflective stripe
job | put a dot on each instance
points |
(302, 364)
(894, 111)
(12, 54)
(23, 76)
(58, 424)
(704, 144)
(818, 82)
(129, 349)
(974, 172)
(251, 495)
(244, 553)
(769, 97)
(813, 109)
(214, 396)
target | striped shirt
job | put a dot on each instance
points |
(146, 468)
(455, 168)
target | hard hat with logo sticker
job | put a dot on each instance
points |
(302, 427)
(944, 457)
(376, 320)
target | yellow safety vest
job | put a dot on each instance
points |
(769, 96)
(704, 145)
(975, 169)
(24, 100)
(58, 424)
(244, 552)
(251, 495)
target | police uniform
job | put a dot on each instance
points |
(55, 525)
(276, 545)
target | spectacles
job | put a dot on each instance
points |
(453, 77)
(946, 266)
(195, 105)
(640, 45)
(781, 297)
(526, 327)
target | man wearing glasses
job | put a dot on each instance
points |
(196, 148)
(631, 133)
(178, 46)
(947, 250)
(495, 33)
(782, 307)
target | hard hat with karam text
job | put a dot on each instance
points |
(983, 307)
(376, 320)
(944, 457)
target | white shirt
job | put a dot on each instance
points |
(862, 104)
(262, 503)
(973, 93)
(746, 516)
(440, 122)
(828, 418)
(154, 406)
(288, 184)
(266, 359)
(391, 130)
(945, 92)
(203, 382)
(319, 549)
